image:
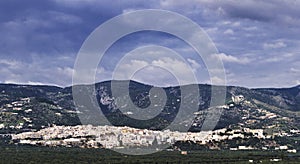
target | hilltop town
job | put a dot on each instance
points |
(88, 136)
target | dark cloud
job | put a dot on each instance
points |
(34, 32)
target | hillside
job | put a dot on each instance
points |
(25, 107)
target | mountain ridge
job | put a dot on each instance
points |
(105, 81)
(272, 112)
(54, 105)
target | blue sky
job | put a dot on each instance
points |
(258, 41)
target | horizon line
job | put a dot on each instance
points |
(136, 81)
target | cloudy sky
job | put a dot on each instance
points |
(258, 41)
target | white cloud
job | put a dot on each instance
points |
(9, 63)
(272, 59)
(67, 71)
(76, 3)
(282, 57)
(215, 80)
(236, 24)
(194, 64)
(173, 64)
(163, 71)
(231, 59)
(127, 69)
(37, 72)
(29, 83)
(211, 30)
(229, 32)
(274, 45)
(251, 28)
(295, 70)
(64, 18)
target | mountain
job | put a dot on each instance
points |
(287, 98)
(30, 108)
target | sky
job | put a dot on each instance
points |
(258, 41)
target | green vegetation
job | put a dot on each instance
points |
(29, 154)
